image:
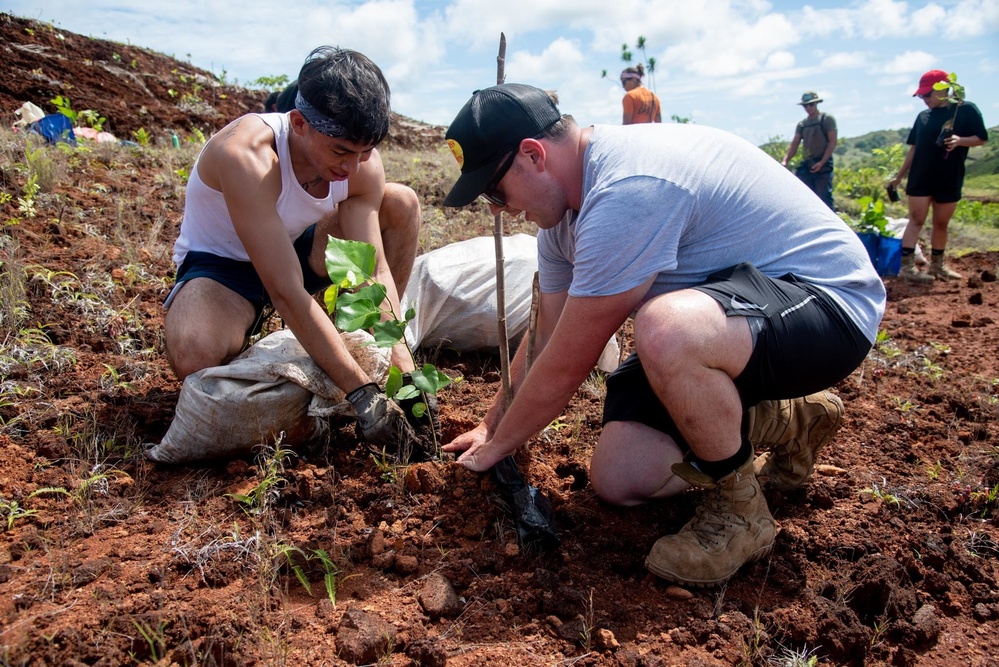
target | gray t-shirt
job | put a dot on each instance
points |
(679, 202)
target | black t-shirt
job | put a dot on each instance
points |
(932, 163)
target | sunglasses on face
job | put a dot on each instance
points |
(810, 104)
(927, 95)
(491, 195)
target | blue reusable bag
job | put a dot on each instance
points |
(55, 128)
(889, 256)
(870, 241)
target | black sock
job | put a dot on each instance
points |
(937, 252)
(908, 251)
(718, 469)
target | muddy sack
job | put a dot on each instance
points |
(273, 387)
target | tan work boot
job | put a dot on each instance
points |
(910, 273)
(793, 430)
(732, 527)
(940, 271)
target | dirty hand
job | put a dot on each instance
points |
(480, 452)
(483, 456)
(468, 439)
(379, 419)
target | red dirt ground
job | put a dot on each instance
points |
(887, 556)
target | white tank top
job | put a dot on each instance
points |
(207, 226)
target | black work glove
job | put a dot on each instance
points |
(381, 421)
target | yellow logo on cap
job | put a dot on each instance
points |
(459, 154)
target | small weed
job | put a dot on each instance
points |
(155, 638)
(330, 572)
(981, 545)
(286, 553)
(389, 472)
(802, 657)
(271, 463)
(933, 471)
(885, 346)
(892, 496)
(588, 625)
(142, 136)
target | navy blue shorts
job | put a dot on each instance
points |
(243, 279)
(803, 342)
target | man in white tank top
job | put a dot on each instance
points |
(262, 198)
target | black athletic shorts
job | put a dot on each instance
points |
(803, 342)
(243, 279)
(943, 190)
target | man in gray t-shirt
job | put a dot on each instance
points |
(749, 297)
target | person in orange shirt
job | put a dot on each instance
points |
(640, 104)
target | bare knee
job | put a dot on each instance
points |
(400, 209)
(189, 354)
(611, 488)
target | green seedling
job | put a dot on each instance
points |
(955, 96)
(872, 219)
(350, 265)
(287, 553)
(271, 465)
(142, 136)
(330, 572)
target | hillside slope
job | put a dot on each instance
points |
(133, 87)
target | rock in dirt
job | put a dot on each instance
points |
(437, 597)
(604, 640)
(427, 653)
(363, 638)
(926, 624)
(677, 593)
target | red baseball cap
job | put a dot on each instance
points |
(927, 80)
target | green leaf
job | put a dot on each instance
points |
(406, 392)
(388, 333)
(410, 314)
(430, 380)
(394, 382)
(355, 314)
(349, 263)
(419, 409)
(329, 298)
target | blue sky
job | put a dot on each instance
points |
(740, 65)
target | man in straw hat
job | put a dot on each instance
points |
(817, 132)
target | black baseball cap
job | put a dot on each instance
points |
(490, 125)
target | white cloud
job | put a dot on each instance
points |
(560, 60)
(910, 62)
(845, 60)
(779, 60)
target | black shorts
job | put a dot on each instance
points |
(243, 279)
(944, 186)
(803, 342)
(942, 193)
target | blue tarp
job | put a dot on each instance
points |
(55, 128)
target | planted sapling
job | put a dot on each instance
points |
(351, 265)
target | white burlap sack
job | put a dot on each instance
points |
(274, 387)
(453, 290)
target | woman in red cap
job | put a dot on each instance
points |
(938, 146)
